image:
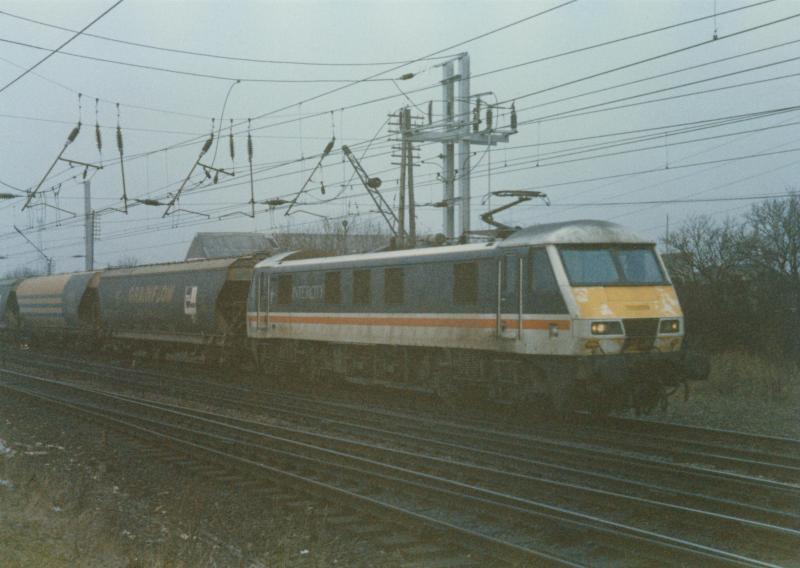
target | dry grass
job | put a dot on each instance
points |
(752, 377)
(744, 392)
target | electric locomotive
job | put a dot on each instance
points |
(579, 314)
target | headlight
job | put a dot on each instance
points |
(606, 328)
(669, 326)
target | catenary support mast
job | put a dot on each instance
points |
(458, 126)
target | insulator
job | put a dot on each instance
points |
(205, 171)
(98, 138)
(322, 187)
(489, 118)
(513, 117)
(249, 148)
(230, 144)
(119, 140)
(85, 171)
(74, 134)
(216, 177)
(406, 76)
(329, 147)
(207, 145)
(476, 119)
(430, 112)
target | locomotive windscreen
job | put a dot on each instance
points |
(611, 265)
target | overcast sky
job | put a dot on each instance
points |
(167, 116)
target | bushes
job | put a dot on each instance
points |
(741, 375)
(746, 392)
(739, 281)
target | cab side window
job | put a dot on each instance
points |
(393, 286)
(333, 287)
(263, 292)
(465, 283)
(285, 289)
(362, 287)
(544, 294)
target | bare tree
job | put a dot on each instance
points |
(127, 261)
(708, 252)
(352, 235)
(776, 234)
(710, 270)
(23, 272)
(775, 225)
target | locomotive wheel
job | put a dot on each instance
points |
(443, 386)
(563, 399)
(647, 397)
(601, 406)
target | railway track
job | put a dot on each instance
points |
(174, 437)
(623, 503)
(739, 454)
(732, 439)
(514, 528)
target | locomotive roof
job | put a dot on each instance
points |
(570, 232)
(585, 231)
(402, 253)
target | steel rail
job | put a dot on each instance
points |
(506, 503)
(729, 438)
(733, 507)
(497, 548)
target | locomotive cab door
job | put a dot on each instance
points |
(509, 295)
(262, 308)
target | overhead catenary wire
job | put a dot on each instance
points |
(128, 234)
(107, 101)
(418, 59)
(662, 75)
(337, 89)
(58, 49)
(636, 36)
(512, 99)
(379, 99)
(629, 173)
(291, 173)
(593, 109)
(661, 169)
(493, 31)
(215, 55)
(516, 98)
(652, 58)
(765, 111)
(185, 72)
